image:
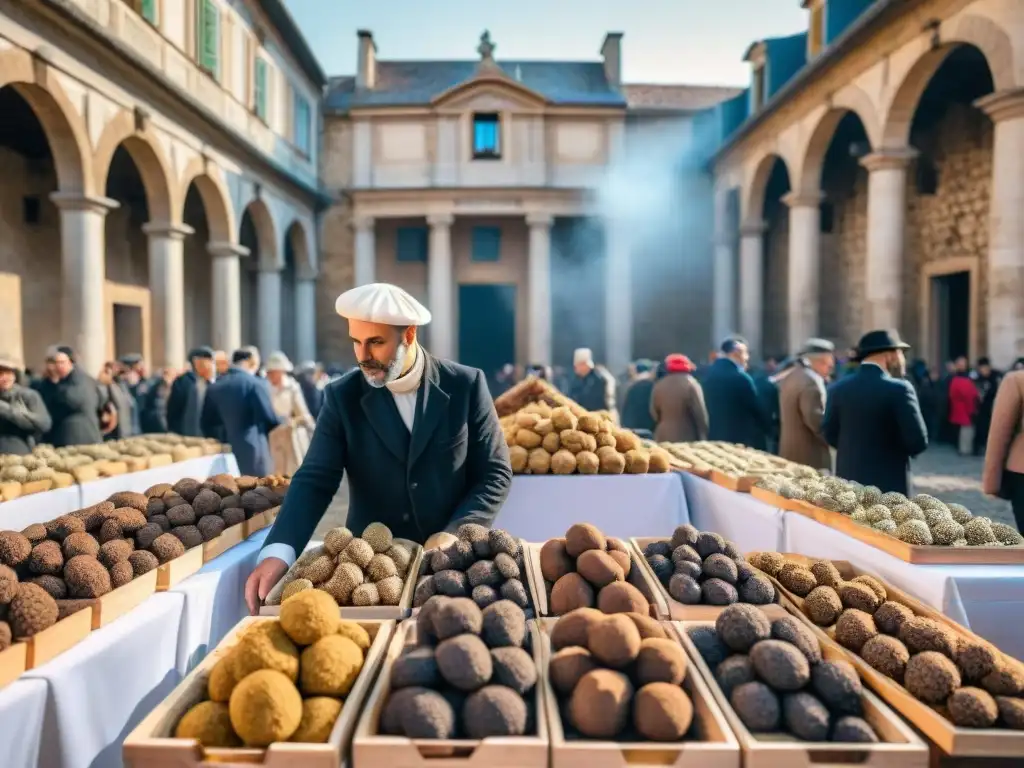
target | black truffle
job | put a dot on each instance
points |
(464, 662)
(418, 713)
(734, 671)
(805, 717)
(484, 595)
(853, 730)
(685, 589)
(662, 567)
(709, 543)
(720, 567)
(838, 685)
(783, 666)
(206, 503)
(147, 534)
(188, 535)
(415, 667)
(503, 624)
(718, 592)
(210, 526)
(741, 626)
(709, 645)
(757, 707)
(514, 668)
(451, 583)
(792, 630)
(455, 617)
(658, 549)
(46, 559)
(494, 711)
(515, 591)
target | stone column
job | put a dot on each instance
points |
(723, 317)
(83, 276)
(752, 284)
(803, 288)
(268, 310)
(618, 299)
(227, 298)
(439, 285)
(167, 291)
(887, 213)
(305, 318)
(539, 269)
(1006, 228)
(366, 251)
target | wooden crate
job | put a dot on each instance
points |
(947, 738)
(13, 662)
(715, 746)
(50, 643)
(912, 553)
(9, 491)
(898, 747)
(152, 743)
(36, 486)
(738, 483)
(228, 538)
(118, 602)
(173, 572)
(539, 594)
(773, 499)
(254, 524)
(524, 577)
(670, 608)
(370, 613)
(370, 749)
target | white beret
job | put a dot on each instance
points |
(582, 355)
(381, 303)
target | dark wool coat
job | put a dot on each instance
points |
(74, 405)
(237, 408)
(735, 410)
(875, 424)
(23, 420)
(452, 469)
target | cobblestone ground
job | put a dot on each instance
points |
(940, 471)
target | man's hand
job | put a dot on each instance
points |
(440, 541)
(262, 580)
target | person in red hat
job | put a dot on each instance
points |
(677, 403)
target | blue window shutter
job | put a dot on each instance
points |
(411, 244)
(486, 244)
(486, 137)
(260, 89)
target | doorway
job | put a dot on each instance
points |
(127, 330)
(487, 327)
(951, 312)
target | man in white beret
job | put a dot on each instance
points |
(418, 437)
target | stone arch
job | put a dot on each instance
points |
(270, 255)
(65, 130)
(299, 238)
(148, 156)
(850, 100)
(984, 34)
(754, 198)
(209, 181)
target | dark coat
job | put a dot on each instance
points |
(593, 392)
(152, 406)
(184, 408)
(636, 405)
(23, 420)
(452, 469)
(311, 393)
(127, 418)
(238, 406)
(734, 406)
(74, 404)
(768, 393)
(875, 424)
(677, 404)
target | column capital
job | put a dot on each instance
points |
(889, 159)
(75, 201)
(440, 219)
(227, 250)
(168, 230)
(753, 227)
(362, 223)
(539, 219)
(803, 199)
(1002, 105)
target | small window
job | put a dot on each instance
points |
(486, 244)
(259, 96)
(411, 244)
(208, 35)
(486, 136)
(302, 124)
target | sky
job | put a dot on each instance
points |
(699, 42)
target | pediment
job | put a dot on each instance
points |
(490, 92)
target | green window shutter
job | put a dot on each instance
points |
(260, 89)
(302, 124)
(147, 8)
(209, 37)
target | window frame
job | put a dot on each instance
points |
(305, 144)
(203, 7)
(489, 117)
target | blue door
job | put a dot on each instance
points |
(487, 327)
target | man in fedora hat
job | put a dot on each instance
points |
(873, 419)
(802, 405)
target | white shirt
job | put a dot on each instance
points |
(403, 390)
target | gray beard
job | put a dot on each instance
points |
(394, 369)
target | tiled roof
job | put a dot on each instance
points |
(415, 83)
(686, 98)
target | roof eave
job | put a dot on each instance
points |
(296, 41)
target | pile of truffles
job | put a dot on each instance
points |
(544, 440)
(486, 565)
(469, 674)
(702, 568)
(979, 686)
(923, 520)
(774, 677)
(363, 571)
(585, 569)
(613, 671)
(285, 679)
(732, 459)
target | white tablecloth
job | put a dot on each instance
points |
(749, 523)
(200, 469)
(215, 601)
(22, 711)
(541, 507)
(39, 507)
(988, 599)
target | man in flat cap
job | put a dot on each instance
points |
(418, 437)
(802, 405)
(872, 417)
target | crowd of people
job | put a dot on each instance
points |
(236, 399)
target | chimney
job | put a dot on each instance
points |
(611, 52)
(366, 70)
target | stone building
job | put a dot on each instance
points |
(159, 182)
(511, 197)
(872, 176)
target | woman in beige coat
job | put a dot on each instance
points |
(289, 441)
(1003, 474)
(677, 403)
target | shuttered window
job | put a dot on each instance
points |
(208, 36)
(259, 97)
(301, 124)
(147, 9)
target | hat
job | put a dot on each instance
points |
(9, 362)
(203, 352)
(130, 360)
(278, 361)
(582, 355)
(874, 342)
(677, 363)
(818, 346)
(381, 303)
